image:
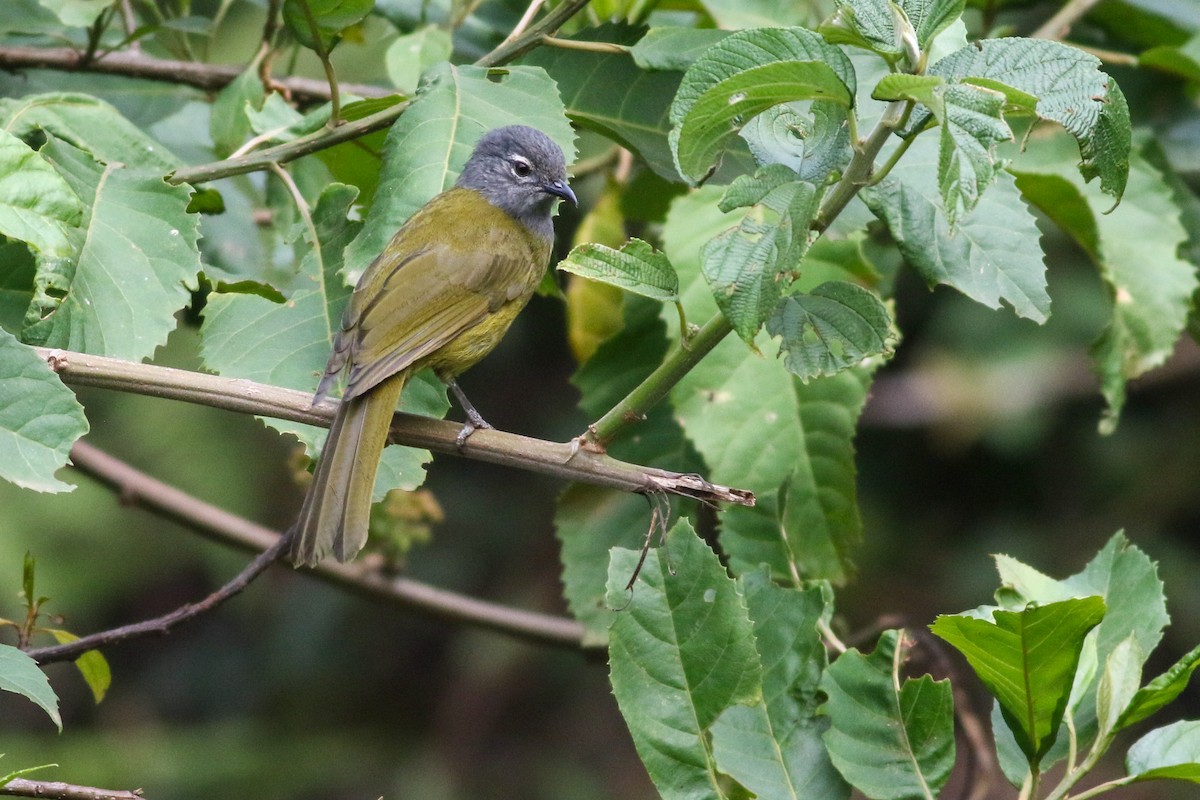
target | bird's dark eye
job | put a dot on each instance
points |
(521, 167)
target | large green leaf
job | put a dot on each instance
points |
(1135, 247)
(610, 93)
(1070, 90)
(1027, 659)
(137, 258)
(1172, 751)
(774, 748)
(681, 651)
(742, 76)
(288, 344)
(20, 674)
(892, 738)
(881, 27)
(318, 24)
(991, 254)
(39, 419)
(36, 205)
(636, 267)
(432, 140)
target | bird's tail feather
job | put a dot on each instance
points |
(337, 509)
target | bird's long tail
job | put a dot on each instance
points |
(337, 508)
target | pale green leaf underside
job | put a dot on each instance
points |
(20, 674)
(831, 328)
(39, 419)
(636, 267)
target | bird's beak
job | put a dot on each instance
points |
(560, 189)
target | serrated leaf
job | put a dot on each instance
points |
(586, 81)
(890, 738)
(1071, 90)
(831, 328)
(137, 258)
(89, 124)
(637, 267)
(816, 145)
(247, 336)
(1027, 659)
(802, 434)
(20, 674)
(39, 419)
(1160, 691)
(750, 267)
(1172, 751)
(92, 665)
(318, 24)
(1135, 247)
(36, 205)
(742, 76)
(681, 651)
(431, 141)
(774, 748)
(992, 253)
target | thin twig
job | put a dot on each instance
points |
(203, 76)
(57, 790)
(137, 488)
(563, 460)
(167, 622)
(591, 47)
(525, 20)
(1060, 24)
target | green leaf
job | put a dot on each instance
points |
(637, 267)
(891, 739)
(36, 205)
(835, 326)
(744, 75)
(990, 255)
(229, 124)
(1172, 751)
(1070, 90)
(1027, 660)
(816, 145)
(750, 266)
(774, 748)
(88, 123)
(318, 24)
(1136, 248)
(586, 80)
(92, 665)
(20, 674)
(410, 55)
(733, 14)
(1182, 60)
(17, 270)
(248, 336)
(431, 141)
(681, 651)
(137, 258)
(1160, 691)
(674, 48)
(76, 13)
(39, 419)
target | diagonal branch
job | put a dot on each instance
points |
(188, 73)
(137, 488)
(562, 460)
(57, 790)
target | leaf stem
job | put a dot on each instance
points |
(591, 47)
(656, 386)
(1060, 24)
(859, 171)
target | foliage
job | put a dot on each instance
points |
(765, 169)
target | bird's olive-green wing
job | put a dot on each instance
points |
(434, 282)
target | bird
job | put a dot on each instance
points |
(442, 294)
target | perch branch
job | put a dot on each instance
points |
(561, 460)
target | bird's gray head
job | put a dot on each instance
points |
(521, 170)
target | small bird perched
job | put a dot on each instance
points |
(442, 294)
